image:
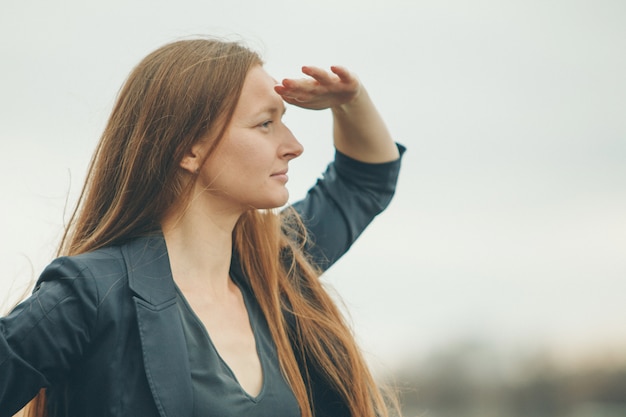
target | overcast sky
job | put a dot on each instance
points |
(509, 222)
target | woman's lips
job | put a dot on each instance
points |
(281, 175)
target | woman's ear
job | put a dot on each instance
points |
(192, 161)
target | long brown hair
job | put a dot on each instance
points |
(178, 94)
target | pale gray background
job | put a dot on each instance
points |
(509, 224)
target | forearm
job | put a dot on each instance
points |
(343, 202)
(360, 132)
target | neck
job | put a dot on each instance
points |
(199, 244)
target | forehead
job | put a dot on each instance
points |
(258, 92)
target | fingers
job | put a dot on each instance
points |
(300, 84)
(318, 74)
(299, 90)
(292, 100)
(320, 89)
(338, 75)
(343, 73)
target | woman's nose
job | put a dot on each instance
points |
(291, 147)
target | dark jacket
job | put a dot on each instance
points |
(102, 331)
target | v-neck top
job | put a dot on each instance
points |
(216, 391)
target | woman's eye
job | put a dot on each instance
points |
(266, 124)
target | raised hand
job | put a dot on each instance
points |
(358, 129)
(321, 89)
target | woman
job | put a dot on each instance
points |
(181, 292)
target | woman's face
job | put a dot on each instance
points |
(249, 167)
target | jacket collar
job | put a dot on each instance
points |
(149, 271)
(163, 342)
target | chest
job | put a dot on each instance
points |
(233, 361)
(230, 333)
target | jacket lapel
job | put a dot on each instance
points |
(163, 342)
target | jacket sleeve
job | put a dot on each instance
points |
(343, 203)
(44, 335)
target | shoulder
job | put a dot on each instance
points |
(92, 275)
(101, 261)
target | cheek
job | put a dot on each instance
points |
(250, 156)
(239, 148)
(234, 172)
(243, 156)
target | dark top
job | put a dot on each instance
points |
(102, 331)
(216, 391)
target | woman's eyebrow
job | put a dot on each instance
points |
(273, 110)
